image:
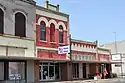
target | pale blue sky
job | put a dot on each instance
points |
(94, 19)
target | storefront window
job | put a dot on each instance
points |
(16, 70)
(49, 71)
(45, 72)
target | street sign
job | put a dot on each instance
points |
(64, 49)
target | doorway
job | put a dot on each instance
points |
(84, 70)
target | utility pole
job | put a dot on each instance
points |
(116, 50)
(115, 43)
(70, 48)
(70, 55)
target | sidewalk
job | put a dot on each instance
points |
(85, 81)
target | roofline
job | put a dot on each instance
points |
(32, 2)
(81, 41)
(103, 49)
(112, 43)
(52, 11)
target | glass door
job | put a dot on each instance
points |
(45, 73)
(51, 73)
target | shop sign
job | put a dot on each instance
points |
(116, 57)
(63, 49)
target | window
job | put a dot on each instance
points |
(20, 25)
(1, 21)
(60, 34)
(52, 32)
(16, 70)
(43, 31)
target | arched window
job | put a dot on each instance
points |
(20, 25)
(1, 21)
(52, 32)
(43, 31)
(60, 34)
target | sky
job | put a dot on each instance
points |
(92, 20)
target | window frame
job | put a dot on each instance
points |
(52, 32)
(43, 31)
(61, 34)
(19, 11)
(2, 9)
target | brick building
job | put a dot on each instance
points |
(52, 31)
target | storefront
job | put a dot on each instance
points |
(13, 71)
(49, 71)
(52, 67)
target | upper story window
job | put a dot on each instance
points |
(52, 32)
(20, 25)
(1, 21)
(43, 31)
(60, 34)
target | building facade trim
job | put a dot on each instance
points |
(54, 22)
(43, 19)
(63, 25)
(51, 11)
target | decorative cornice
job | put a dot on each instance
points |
(51, 11)
(32, 2)
(82, 42)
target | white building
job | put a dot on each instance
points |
(17, 40)
(118, 55)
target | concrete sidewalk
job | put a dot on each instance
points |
(87, 81)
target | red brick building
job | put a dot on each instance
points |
(52, 31)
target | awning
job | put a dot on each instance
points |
(110, 62)
(31, 58)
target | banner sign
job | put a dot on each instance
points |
(64, 49)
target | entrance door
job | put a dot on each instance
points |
(84, 70)
(51, 72)
(45, 72)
